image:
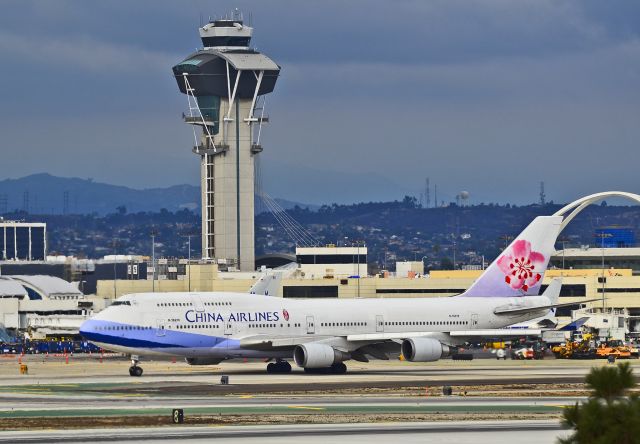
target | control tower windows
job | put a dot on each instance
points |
(210, 42)
(210, 109)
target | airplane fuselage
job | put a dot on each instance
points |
(217, 325)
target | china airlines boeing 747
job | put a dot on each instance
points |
(319, 335)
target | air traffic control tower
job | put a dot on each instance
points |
(224, 83)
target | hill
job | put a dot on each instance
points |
(45, 194)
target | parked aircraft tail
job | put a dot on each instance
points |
(519, 269)
(268, 284)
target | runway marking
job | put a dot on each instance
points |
(303, 407)
(245, 396)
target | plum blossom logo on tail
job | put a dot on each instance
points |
(521, 266)
(285, 314)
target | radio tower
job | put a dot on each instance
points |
(542, 195)
(25, 202)
(225, 83)
(427, 192)
(65, 203)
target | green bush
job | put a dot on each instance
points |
(609, 416)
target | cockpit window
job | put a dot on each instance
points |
(121, 303)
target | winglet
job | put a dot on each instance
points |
(519, 269)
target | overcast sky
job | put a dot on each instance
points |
(487, 96)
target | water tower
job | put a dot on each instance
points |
(224, 83)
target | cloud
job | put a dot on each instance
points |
(475, 94)
(84, 53)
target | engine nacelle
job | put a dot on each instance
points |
(423, 349)
(318, 355)
(203, 361)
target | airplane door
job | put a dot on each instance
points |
(228, 328)
(311, 329)
(474, 320)
(380, 324)
(161, 324)
(197, 302)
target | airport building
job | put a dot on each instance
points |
(43, 306)
(331, 261)
(26, 241)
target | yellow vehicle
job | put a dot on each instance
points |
(575, 349)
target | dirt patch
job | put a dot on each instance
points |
(191, 420)
(506, 390)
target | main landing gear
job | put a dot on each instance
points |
(134, 370)
(339, 368)
(279, 367)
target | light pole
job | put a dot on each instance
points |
(189, 236)
(115, 267)
(602, 236)
(153, 261)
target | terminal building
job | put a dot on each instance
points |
(42, 307)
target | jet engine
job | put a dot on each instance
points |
(423, 349)
(318, 355)
(203, 361)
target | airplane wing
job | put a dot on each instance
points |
(370, 342)
(266, 342)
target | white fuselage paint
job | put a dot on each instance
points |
(184, 324)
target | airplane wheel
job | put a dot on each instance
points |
(138, 371)
(132, 371)
(271, 367)
(339, 369)
(285, 367)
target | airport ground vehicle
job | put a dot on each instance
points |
(528, 350)
(615, 348)
(579, 347)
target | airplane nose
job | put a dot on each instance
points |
(85, 327)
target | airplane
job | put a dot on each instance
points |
(319, 335)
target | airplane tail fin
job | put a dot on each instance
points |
(267, 285)
(518, 270)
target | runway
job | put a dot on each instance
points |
(489, 403)
(524, 432)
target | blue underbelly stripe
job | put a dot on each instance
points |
(94, 330)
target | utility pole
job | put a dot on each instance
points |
(435, 195)
(153, 260)
(602, 235)
(189, 236)
(115, 267)
(427, 192)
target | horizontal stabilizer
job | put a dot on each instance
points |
(516, 310)
(575, 325)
